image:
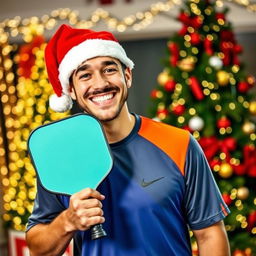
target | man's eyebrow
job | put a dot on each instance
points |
(109, 62)
(86, 66)
(81, 68)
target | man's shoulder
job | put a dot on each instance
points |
(172, 140)
(161, 129)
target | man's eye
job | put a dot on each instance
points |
(84, 76)
(109, 70)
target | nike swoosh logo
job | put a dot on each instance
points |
(148, 183)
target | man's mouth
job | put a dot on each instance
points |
(102, 98)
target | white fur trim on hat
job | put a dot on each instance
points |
(86, 50)
(60, 104)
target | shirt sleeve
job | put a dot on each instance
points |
(47, 206)
(203, 201)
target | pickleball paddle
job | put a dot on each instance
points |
(71, 154)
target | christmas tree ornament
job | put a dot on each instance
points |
(242, 193)
(226, 170)
(156, 94)
(169, 86)
(174, 51)
(252, 107)
(250, 80)
(248, 127)
(163, 77)
(243, 86)
(178, 109)
(162, 113)
(227, 199)
(196, 123)
(187, 64)
(223, 122)
(223, 77)
(215, 62)
(208, 46)
(238, 253)
(196, 88)
(195, 38)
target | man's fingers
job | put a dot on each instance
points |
(90, 193)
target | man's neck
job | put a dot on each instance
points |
(120, 127)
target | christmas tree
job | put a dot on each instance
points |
(205, 89)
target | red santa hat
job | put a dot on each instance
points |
(67, 49)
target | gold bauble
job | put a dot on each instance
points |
(252, 107)
(248, 127)
(163, 77)
(242, 193)
(226, 170)
(223, 78)
(187, 64)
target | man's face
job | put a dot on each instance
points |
(100, 87)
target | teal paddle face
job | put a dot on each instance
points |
(70, 154)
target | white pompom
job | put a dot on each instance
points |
(196, 123)
(60, 104)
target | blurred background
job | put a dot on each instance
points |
(146, 29)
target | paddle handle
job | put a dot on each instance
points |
(97, 231)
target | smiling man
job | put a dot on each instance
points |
(160, 183)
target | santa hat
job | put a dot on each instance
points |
(67, 49)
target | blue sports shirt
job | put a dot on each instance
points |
(159, 187)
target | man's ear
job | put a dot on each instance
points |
(128, 77)
(72, 91)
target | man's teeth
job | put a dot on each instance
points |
(103, 98)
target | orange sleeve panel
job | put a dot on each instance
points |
(173, 141)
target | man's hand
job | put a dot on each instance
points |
(85, 210)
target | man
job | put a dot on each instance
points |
(160, 181)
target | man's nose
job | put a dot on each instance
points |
(100, 81)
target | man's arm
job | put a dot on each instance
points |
(212, 241)
(85, 210)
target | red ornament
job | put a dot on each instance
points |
(187, 128)
(154, 94)
(224, 122)
(208, 46)
(196, 22)
(243, 87)
(214, 162)
(252, 171)
(239, 169)
(174, 50)
(178, 110)
(230, 143)
(251, 219)
(183, 30)
(238, 253)
(226, 198)
(170, 85)
(184, 18)
(195, 38)
(196, 88)
(220, 16)
(238, 48)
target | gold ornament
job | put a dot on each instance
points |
(187, 64)
(226, 170)
(163, 77)
(252, 107)
(223, 78)
(243, 193)
(248, 127)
